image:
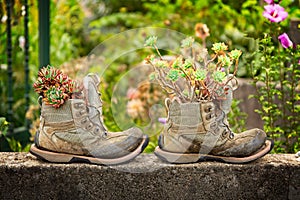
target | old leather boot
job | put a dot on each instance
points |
(199, 131)
(75, 132)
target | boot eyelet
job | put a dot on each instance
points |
(208, 117)
(83, 121)
(82, 112)
(208, 109)
(104, 134)
(78, 105)
(97, 129)
(89, 126)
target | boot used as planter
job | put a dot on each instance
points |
(200, 86)
(75, 132)
(199, 131)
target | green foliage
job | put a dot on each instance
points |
(3, 126)
(276, 74)
(233, 23)
(237, 118)
(277, 85)
(14, 144)
(66, 43)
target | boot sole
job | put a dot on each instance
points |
(56, 157)
(181, 158)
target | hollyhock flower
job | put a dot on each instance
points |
(285, 40)
(275, 13)
(269, 1)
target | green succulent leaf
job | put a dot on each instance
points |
(177, 63)
(219, 76)
(187, 42)
(235, 54)
(200, 74)
(188, 63)
(150, 41)
(173, 75)
(224, 61)
(161, 63)
(219, 47)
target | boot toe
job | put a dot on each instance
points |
(243, 144)
(251, 141)
(118, 144)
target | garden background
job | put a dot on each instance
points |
(77, 27)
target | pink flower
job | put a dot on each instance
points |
(269, 1)
(132, 93)
(275, 13)
(285, 40)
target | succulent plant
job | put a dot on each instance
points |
(54, 86)
(194, 75)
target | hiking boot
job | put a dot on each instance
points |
(75, 132)
(199, 131)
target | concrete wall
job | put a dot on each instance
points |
(248, 105)
(272, 177)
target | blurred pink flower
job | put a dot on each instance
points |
(275, 13)
(132, 93)
(269, 1)
(285, 40)
(135, 107)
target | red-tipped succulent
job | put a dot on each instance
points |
(54, 87)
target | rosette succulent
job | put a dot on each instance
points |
(54, 87)
(194, 75)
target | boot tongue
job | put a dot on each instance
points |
(92, 98)
(226, 104)
(90, 84)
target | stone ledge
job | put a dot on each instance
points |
(276, 176)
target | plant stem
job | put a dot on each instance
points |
(156, 49)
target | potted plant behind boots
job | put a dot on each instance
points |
(201, 88)
(71, 123)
